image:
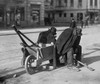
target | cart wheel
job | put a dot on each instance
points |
(30, 65)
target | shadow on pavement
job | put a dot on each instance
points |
(85, 54)
(90, 60)
(11, 74)
(40, 69)
(95, 48)
(5, 71)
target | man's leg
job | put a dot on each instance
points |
(70, 58)
(70, 61)
(79, 54)
(57, 58)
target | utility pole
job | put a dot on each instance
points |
(5, 6)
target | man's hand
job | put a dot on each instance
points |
(52, 43)
(74, 56)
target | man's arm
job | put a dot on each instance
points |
(39, 38)
(42, 38)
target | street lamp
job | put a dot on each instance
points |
(86, 7)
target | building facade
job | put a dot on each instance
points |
(61, 11)
(21, 12)
(39, 12)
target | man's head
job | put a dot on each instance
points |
(53, 30)
(73, 20)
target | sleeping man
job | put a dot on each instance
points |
(67, 44)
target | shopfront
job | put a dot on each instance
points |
(35, 14)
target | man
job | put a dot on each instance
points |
(82, 23)
(73, 23)
(67, 43)
(47, 37)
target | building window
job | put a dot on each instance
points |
(79, 3)
(64, 14)
(66, 2)
(60, 14)
(59, 2)
(71, 15)
(51, 2)
(71, 3)
(46, 0)
(91, 2)
(18, 1)
(96, 3)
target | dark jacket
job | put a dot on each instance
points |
(73, 24)
(66, 40)
(46, 37)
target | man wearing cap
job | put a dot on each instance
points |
(73, 23)
(47, 37)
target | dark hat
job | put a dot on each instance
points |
(72, 18)
(53, 30)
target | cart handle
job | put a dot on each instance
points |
(20, 34)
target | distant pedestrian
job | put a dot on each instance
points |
(96, 20)
(86, 21)
(73, 23)
(82, 23)
(17, 19)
